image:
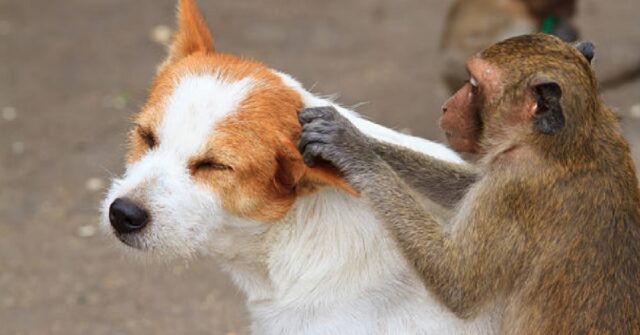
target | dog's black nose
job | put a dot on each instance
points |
(126, 216)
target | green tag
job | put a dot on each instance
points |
(548, 25)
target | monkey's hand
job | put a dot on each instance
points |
(329, 136)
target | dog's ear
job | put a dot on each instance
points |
(192, 36)
(294, 177)
(326, 175)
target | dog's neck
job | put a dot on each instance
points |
(329, 252)
(327, 244)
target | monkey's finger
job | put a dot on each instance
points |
(312, 137)
(311, 152)
(326, 112)
(309, 114)
(320, 126)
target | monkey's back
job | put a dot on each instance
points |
(584, 277)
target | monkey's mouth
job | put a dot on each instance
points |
(452, 136)
(461, 143)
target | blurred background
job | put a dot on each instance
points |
(73, 71)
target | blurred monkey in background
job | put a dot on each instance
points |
(473, 25)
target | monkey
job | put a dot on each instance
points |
(546, 224)
(542, 9)
(472, 25)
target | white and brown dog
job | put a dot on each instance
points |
(213, 167)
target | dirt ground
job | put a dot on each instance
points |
(73, 71)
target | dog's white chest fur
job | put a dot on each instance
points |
(331, 268)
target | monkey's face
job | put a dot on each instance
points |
(464, 113)
(517, 88)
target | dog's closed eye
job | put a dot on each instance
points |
(147, 136)
(208, 165)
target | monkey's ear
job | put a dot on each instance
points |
(587, 49)
(548, 118)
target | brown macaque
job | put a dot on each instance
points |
(545, 232)
(473, 25)
(541, 9)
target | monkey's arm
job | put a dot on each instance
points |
(462, 269)
(439, 261)
(443, 182)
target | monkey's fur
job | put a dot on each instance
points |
(546, 229)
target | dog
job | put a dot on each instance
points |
(213, 168)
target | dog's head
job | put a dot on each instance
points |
(215, 142)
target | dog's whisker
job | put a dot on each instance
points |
(111, 174)
(359, 104)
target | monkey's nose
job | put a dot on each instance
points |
(444, 109)
(127, 217)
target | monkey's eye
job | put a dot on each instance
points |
(208, 165)
(148, 137)
(474, 85)
(473, 82)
